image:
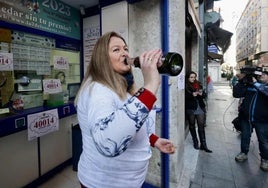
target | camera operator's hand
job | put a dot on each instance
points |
(254, 80)
(241, 76)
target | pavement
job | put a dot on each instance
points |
(219, 169)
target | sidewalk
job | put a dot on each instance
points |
(219, 169)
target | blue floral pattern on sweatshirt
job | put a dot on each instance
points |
(134, 110)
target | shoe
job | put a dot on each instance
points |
(264, 165)
(241, 157)
(205, 148)
(196, 146)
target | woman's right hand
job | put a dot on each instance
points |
(195, 93)
(149, 61)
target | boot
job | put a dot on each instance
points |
(202, 137)
(194, 137)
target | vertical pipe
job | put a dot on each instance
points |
(39, 157)
(165, 94)
(201, 45)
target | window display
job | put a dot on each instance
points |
(31, 59)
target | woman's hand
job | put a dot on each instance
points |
(200, 92)
(165, 146)
(148, 63)
(195, 93)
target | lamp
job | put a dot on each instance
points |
(82, 10)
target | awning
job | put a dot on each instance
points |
(195, 18)
(219, 37)
(209, 4)
(215, 34)
(214, 55)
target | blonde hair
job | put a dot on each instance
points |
(100, 69)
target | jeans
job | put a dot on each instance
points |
(261, 130)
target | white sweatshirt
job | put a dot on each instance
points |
(115, 133)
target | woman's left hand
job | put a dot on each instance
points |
(165, 146)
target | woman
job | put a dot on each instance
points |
(115, 119)
(196, 110)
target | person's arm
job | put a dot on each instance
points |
(263, 88)
(189, 94)
(153, 138)
(239, 90)
(114, 128)
(165, 146)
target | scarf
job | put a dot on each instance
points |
(130, 79)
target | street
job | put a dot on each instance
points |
(219, 169)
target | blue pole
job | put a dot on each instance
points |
(165, 95)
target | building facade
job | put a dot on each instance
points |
(173, 25)
(252, 32)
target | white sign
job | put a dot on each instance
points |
(51, 86)
(181, 81)
(91, 33)
(42, 123)
(61, 62)
(6, 62)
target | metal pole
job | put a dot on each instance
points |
(165, 95)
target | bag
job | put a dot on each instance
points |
(236, 123)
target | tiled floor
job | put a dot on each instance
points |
(67, 178)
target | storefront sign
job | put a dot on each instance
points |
(52, 86)
(6, 61)
(213, 48)
(32, 40)
(51, 16)
(42, 123)
(61, 62)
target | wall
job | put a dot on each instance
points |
(214, 70)
(144, 34)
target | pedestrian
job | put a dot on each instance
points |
(253, 114)
(235, 79)
(210, 87)
(116, 119)
(196, 110)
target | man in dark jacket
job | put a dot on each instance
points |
(253, 114)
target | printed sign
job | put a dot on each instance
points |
(42, 123)
(6, 62)
(51, 86)
(213, 48)
(61, 62)
(52, 16)
(91, 33)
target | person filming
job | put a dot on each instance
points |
(253, 112)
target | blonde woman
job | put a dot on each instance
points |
(116, 118)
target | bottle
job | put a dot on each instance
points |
(172, 64)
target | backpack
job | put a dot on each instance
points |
(237, 125)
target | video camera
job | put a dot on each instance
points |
(252, 72)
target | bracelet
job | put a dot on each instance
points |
(139, 92)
